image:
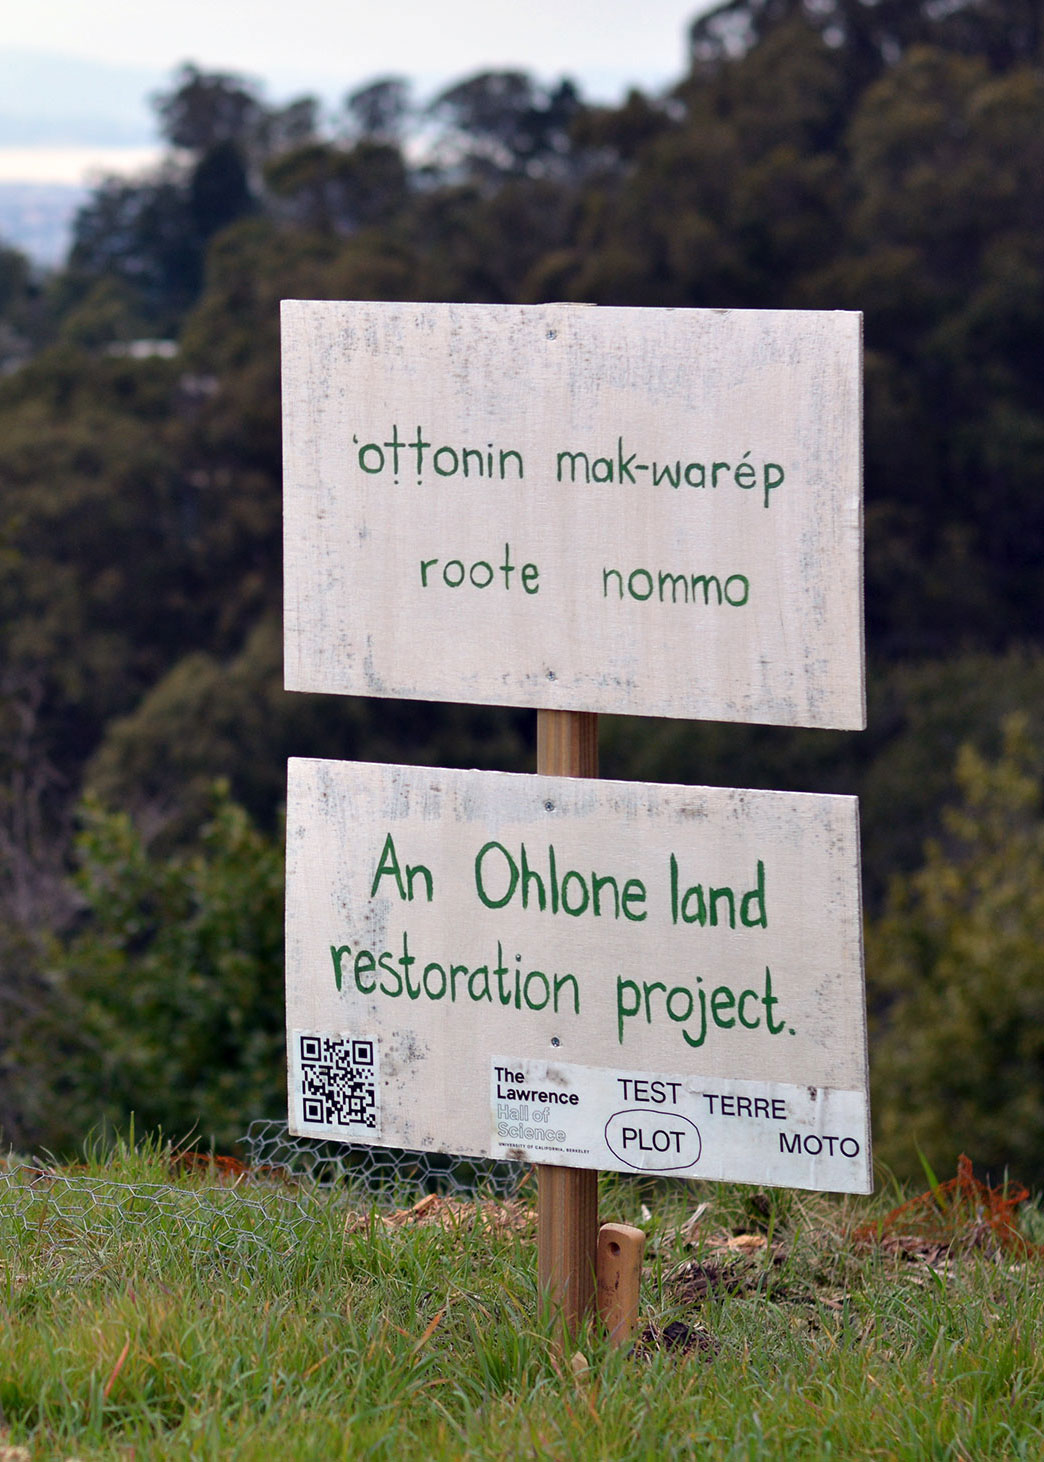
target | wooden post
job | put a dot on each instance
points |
(567, 1198)
(620, 1249)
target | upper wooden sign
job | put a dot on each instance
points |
(652, 512)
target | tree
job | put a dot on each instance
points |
(218, 190)
(165, 1003)
(160, 762)
(378, 111)
(143, 235)
(948, 163)
(501, 122)
(322, 186)
(957, 974)
(23, 317)
(204, 109)
(283, 128)
(872, 35)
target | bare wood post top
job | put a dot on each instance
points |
(620, 1249)
(567, 1203)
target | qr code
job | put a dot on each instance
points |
(338, 1081)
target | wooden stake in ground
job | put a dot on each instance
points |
(620, 1249)
(567, 1211)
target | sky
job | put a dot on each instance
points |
(75, 75)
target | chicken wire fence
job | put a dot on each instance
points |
(271, 1200)
(386, 1175)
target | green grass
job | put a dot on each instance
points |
(285, 1332)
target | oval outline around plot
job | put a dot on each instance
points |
(658, 1115)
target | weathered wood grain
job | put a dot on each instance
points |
(494, 934)
(619, 1277)
(567, 1197)
(654, 512)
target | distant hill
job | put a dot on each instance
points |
(37, 218)
(49, 99)
(53, 98)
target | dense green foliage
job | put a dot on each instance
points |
(886, 157)
(165, 1002)
(957, 959)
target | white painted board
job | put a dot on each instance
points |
(654, 512)
(599, 974)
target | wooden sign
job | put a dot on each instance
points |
(590, 974)
(643, 511)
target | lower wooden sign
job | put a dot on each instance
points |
(596, 974)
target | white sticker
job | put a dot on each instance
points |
(684, 1126)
